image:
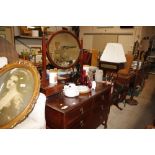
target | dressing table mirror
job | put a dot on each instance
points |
(63, 51)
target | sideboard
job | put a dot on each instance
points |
(86, 111)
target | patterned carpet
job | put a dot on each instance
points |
(135, 117)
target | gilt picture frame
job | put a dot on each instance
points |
(19, 91)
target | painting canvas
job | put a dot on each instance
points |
(19, 90)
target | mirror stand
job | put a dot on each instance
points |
(45, 88)
(64, 51)
(43, 78)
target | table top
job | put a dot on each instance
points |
(63, 104)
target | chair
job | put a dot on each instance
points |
(127, 66)
(122, 82)
(35, 119)
(95, 57)
(87, 57)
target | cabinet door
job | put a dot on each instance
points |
(83, 122)
(102, 100)
(96, 115)
(101, 108)
(54, 119)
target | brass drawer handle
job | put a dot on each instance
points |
(81, 110)
(81, 123)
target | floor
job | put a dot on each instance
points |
(137, 116)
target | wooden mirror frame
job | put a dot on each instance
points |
(48, 43)
(19, 67)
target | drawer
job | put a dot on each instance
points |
(84, 122)
(102, 99)
(78, 112)
(54, 119)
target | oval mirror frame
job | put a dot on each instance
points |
(57, 45)
(19, 91)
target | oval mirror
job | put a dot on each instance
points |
(63, 49)
(19, 90)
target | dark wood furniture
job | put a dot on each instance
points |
(126, 82)
(121, 87)
(110, 67)
(51, 90)
(85, 111)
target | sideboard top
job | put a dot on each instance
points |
(63, 104)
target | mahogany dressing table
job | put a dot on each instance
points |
(85, 111)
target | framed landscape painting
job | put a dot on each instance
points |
(19, 90)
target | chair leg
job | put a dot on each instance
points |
(115, 100)
(124, 103)
(118, 106)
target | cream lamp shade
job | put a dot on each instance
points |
(113, 53)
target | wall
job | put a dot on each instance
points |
(100, 41)
(30, 42)
(147, 31)
(97, 36)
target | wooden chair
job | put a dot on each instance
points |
(122, 82)
(127, 66)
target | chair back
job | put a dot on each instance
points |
(126, 69)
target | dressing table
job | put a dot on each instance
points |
(87, 110)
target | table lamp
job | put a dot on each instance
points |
(112, 58)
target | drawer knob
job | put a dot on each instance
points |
(81, 110)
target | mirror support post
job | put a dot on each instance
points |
(43, 80)
(81, 63)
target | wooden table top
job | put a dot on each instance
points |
(63, 104)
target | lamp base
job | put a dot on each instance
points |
(131, 101)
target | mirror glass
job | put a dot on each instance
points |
(63, 49)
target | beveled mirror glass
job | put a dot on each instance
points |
(63, 49)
